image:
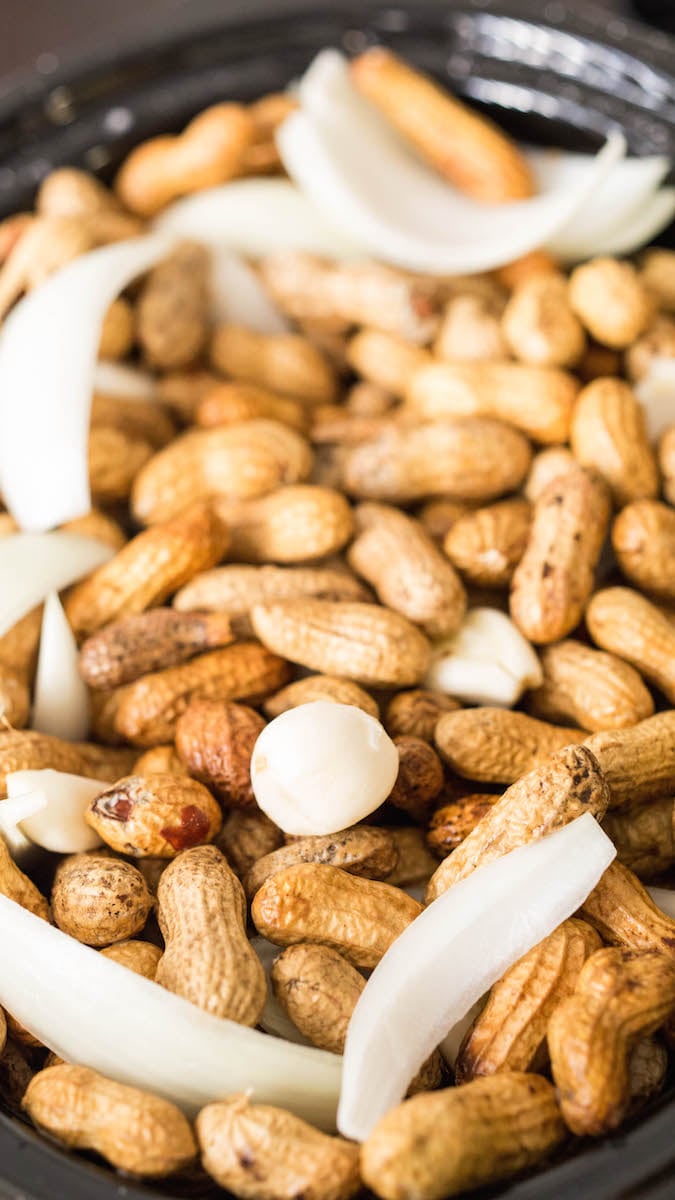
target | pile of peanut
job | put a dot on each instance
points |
(305, 516)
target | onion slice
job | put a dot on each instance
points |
(90, 1010)
(357, 171)
(48, 350)
(656, 393)
(34, 564)
(238, 296)
(451, 954)
(664, 898)
(256, 217)
(119, 379)
(61, 699)
(655, 216)
(47, 808)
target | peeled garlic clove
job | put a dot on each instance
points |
(488, 661)
(55, 803)
(321, 767)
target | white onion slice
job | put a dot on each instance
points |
(48, 350)
(356, 169)
(655, 216)
(12, 812)
(93, 1011)
(238, 296)
(664, 898)
(119, 379)
(656, 393)
(61, 699)
(452, 1041)
(256, 217)
(48, 808)
(451, 954)
(34, 564)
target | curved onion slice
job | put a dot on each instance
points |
(93, 1011)
(119, 379)
(665, 899)
(655, 215)
(239, 297)
(256, 217)
(48, 349)
(34, 564)
(656, 393)
(61, 701)
(347, 160)
(451, 954)
(47, 808)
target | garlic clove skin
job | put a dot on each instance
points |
(488, 661)
(322, 767)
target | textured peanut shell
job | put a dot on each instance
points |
(133, 1130)
(416, 713)
(486, 546)
(539, 325)
(115, 459)
(594, 689)
(294, 524)
(562, 787)
(470, 331)
(638, 763)
(28, 750)
(215, 741)
(441, 1144)
(145, 419)
(264, 1153)
(154, 816)
(644, 836)
(624, 914)
(172, 313)
(643, 538)
(246, 836)
(495, 745)
(547, 465)
(284, 362)
(320, 687)
(666, 451)
(420, 777)
(453, 822)
(147, 642)
(365, 850)
(610, 300)
(609, 435)
(318, 989)
(415, 863)
(228, 403)
(235, 589)
(99, 900)
(14, 699)
(313, 903)
(140, 957)
(647, 1071)
(106, 763)
(16, 1073)
(160, 759)
(19, 646)
(208, 958)
(18, 887)
(385, 360)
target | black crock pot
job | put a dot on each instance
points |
(548, 72)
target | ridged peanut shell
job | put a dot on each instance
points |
(154, 815)
(593, 688)
(624, 913)
(495, 745)
(149, 641)
(295, 524)
(364, 850)
(627, 624)
(215, 741)
(637, 763)
(99, 900)
(486, 546)
(320, 687)
(609, 434)
(643, 538)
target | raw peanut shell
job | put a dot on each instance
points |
(283, 362)
(453, 822)
(14, 699)
(247, 835)
(318, 989)
(320, 687)
(140, 957)
(147, 642)
(161, 760)
(539, 325)
(638, 763)
(295, 524)
(173, 315)
(594, 689)
(28, 750)
(154, 815)
(365, 850)
(643, 538)
(385, 360)
(99, 900)
(106, 763)
(547, 465)
(626, 623)
(486, 546)
(644, 836)
(666, 463)
(115, 460)
(18, 887)
(415, 864)
(610, 300)
(235, 589)
(470, 331)
(420, 777)
(624, 913)
(228, 403)
(215, 741)
(609, 435)
(494, 745)
(416, 713)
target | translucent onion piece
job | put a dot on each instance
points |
(118, 379)
(48, 350)
(451, 954)
(354, 167)
(665, 899)
(93, 1011)
(655, 216)
(54, 804)
(488, 661)
(61, 698)
(239, 297)
(12, 812)
(34, 564)
(256, 217)
(656, 392)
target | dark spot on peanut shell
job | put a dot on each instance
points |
(192, 830)
(115, 805)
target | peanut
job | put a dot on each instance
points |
(27, 750)
(538, 401)
(149, 708)
(643, 537)
(470, 331)
(118, 332)
(385, 360)
(442, 1143)
(317, 903)
(154, 815)
(658, 341)
(624, 913)
(547, 465)
(208, 958)
(18, 887)
(453, 822)
(594, 689)
(115, 460)
(68, 192)
(182, 391)
(637, 763)
(318, 989)
(334, 424)
(14, 699)
(105, 762)
(149, 641)
(415, 863)
(235, 589)
(209, 151)
(19, 646)
(173, 309)
(147, 419)
(409, 574)
(420, 777)
(610, 300)
(162, 760)
(561, 788)
(486, 546)
(104, 709)
(539, 324)
(215, 742)
(628, 624)
(555, 575)
(262, 1153)
(657, 276)
(493, 745)
(246, 836)
(98, 525)
(647, 1070)
(99, 900)
(320, 687)
(364, 851)
(667, 463)
(133, 1130)
(282, 362)
(416, 713)
(148, 569)
(228, 403)
(46, 244)
(621, 996)
(609, 434)
(644, 836)
(369, 644)
(140, 957)
(462, 458)
(365, 399)
(295, 524)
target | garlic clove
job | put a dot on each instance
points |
(488, 661)
(49, 807)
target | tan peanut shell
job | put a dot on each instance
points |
(115, 460)
(657, 341)
(486, 546)
(104, 706)
(385, 360)
(234, 589)
(555, 575)
(133, 1130)
(140, 957)
(208, 958)
(442, 1143)
(621, 996)
(18, 887)
(172, 315)
(461, 458)
(149, 641)
(19, 646)
(98, 525)
(147, 420)
(647, 1071)
(320, 687)
(160, 759)
(154, 815)
(624, 913)
(539, 325)
(594, 689)
(510, 1032)
(638, 763)
(148, 569)
(365, 850)
(69, 192)
(246, 836)
(562, 787)
(609, 435)
(259, 1152)
(610, 300)
(454, 821)
(215, 741)
(407, 571)
(536, 400)
(16, 1073)
(318, 903)
(371, 645)
(470, 331)
(494, 745)
(318, 989)
(181, 391)
(151, 706)
(416, 713)
(415, 863)
(28, 750)
(547, 465)
(644, 836)
(643, 538)
(118, 331)
(295, 524)
(420, 777)
(667, 463)
(14, 699)
(228, 403)
(656, 274)
(105, 762)
(99, 900)
(626, 623)
(284, 362)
